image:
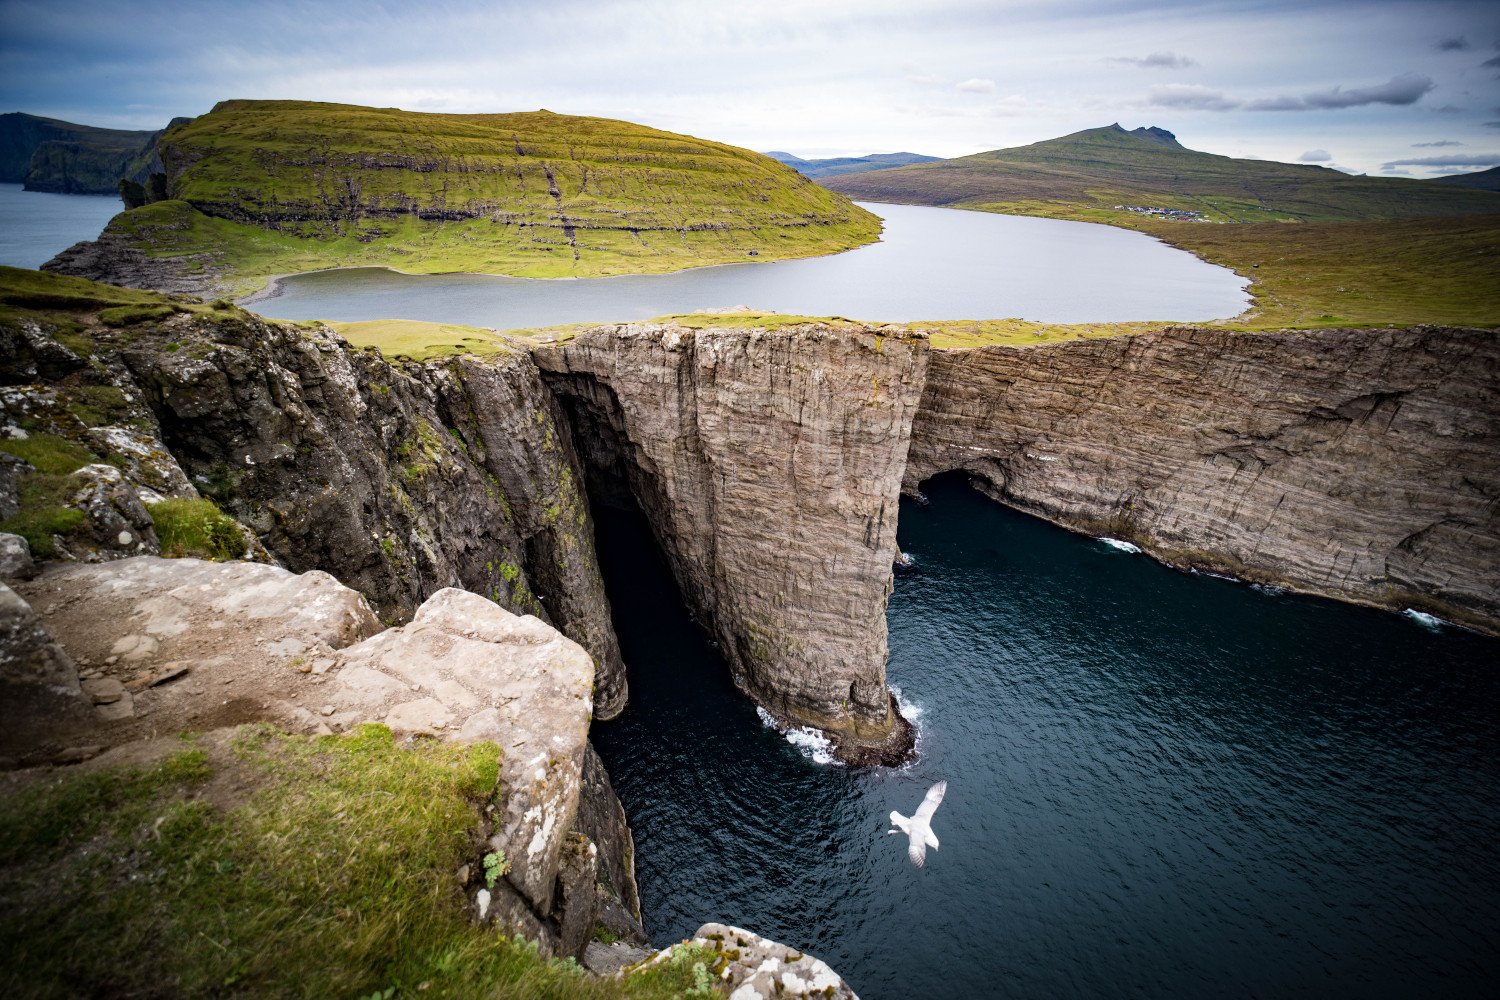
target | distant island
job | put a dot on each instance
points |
(849, 164)
(260, 188)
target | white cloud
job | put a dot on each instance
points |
(922, 80)
(1315, 156)
(1190, 97)
(976, 86)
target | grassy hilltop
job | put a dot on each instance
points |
(258, 188)
(1085, 175)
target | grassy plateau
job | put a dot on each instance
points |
(259, 188)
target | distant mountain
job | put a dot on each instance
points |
(1485, 180)
(850, 164)
(50, 155)
(1097, 172)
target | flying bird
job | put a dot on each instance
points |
(919, 827)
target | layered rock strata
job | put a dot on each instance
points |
(769, 464)
(1359, 464)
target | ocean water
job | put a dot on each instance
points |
(930, 264)
(35, 225)
(1159, 784)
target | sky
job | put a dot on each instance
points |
(1390, 88)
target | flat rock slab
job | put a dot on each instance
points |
(164, 645)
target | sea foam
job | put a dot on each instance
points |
(1123, 546)
(1425, 620)
(809, 742)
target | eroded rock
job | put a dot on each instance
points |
(757, 968)
(40, 695)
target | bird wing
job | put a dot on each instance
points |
(900, 822)
(933, 799)
(917, 851)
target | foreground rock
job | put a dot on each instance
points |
(769, 463)
(172, 644)
(757, 968)
(1358, 464)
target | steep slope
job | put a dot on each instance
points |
(1484, 180)
(834, 166)
(1099, 169)
(50, 155)
(264, 187)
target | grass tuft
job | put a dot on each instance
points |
(49, 453)
(196, 528)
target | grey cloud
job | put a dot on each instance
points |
(1455, 160)
(1156, 60)
(1492, 124)
(1433, 145)
(1492, 63)
(1315, 156)
(1191, 97)
(1452, 45)
(1405, 89)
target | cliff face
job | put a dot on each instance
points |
(1359, 464)
(400, 480)
(769, 464)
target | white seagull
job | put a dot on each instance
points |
(919, 827)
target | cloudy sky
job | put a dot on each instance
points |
(1370, 86)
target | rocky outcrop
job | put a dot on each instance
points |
(400, 480)
(39, 690)
(1359, 464)
(769, 464)
(755, 968)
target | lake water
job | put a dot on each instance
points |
(35, 226)
(931, 264)
(1159, 784)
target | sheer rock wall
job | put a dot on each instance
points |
(1359, 464)
(769, 464)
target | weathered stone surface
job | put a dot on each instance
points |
(757, 968)
(118, 525)
(39, 689)
(1359, 464)
(611, 959)
(109, 260)
(602, 818)
(15, 558)
(769, 464)
(233, 628)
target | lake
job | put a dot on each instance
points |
(1159, 784)
(931, 264)
(35, 226)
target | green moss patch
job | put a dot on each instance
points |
(196, 528)
(131, 315)
(41, 513)
(266, 865)
(49, 453)
(404, 338)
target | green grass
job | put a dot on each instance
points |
(266, 866)
(41, 513)
(196, 529)
(1084, 175)
(396, 338)
(1396, 272)
(49, 453)
(270, 187)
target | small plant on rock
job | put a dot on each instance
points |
(495, 866)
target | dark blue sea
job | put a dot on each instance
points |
(1159, 784)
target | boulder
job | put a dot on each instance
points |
(15, 558)
(39, 689)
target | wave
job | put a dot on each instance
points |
(811, 743)
(1424, 619)
(1123, 546)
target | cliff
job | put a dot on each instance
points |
(769, 465)
(1358, 464)
(50, 155)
